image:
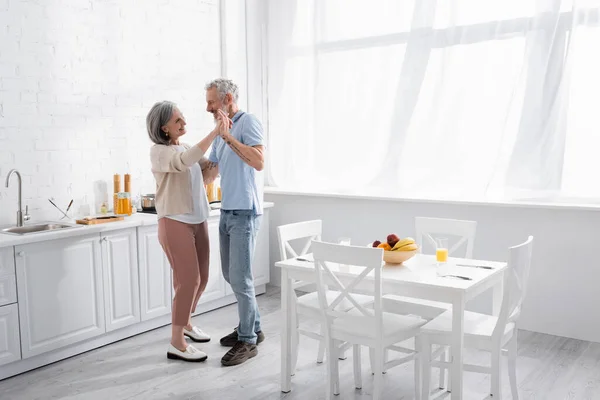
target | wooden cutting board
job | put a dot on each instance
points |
(100, 220)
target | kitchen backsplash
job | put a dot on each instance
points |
(77, 79)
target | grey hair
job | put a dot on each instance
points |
(223, 87)
(159, 115)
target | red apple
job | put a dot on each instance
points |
(392, 239)
(376, 243)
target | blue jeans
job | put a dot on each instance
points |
(237, 236)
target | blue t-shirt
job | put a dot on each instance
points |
(239, 188)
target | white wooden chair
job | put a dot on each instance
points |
(360, 326)
(308, 304)
(427, 229)
(497, 335)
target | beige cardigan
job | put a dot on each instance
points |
(171, 171)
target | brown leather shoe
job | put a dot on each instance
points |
(231, 339)
(239, 353)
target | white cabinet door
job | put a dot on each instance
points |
(10, 345)
(8, 290)
(215, 289)
(155, 275)
(8, 285)
(59, 285)
(7, 261)
(260, 266)
(121, 282)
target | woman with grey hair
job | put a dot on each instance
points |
(183, 210)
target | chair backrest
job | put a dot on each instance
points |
(306, 230)
(516, 277)
(428, 229)
(309, 230)
(366, 260)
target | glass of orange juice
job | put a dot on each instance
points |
(441, 250)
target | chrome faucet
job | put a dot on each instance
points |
(20, 216)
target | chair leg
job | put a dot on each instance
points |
(342, 353)
(356, 354)
(295, 339)
(336, 364)
(425, 351)
(332, 372)
(378, 371)
(372, 359)
(449, 380)
(295, 350)
(512, 366)
(443, 371)
(321, 351)
(496, 359)
(418, 366)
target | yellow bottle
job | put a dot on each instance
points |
(123, 206)
(127, 189)
(116, 190)
(210, 192)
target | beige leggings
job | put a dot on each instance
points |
(187, 248)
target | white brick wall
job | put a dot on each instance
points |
(76, 81)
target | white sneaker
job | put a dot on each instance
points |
(196, 335)
(190, 354)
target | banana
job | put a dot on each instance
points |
(404, 243)
(408, 247)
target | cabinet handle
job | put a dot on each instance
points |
(103, 239)
(21, 254)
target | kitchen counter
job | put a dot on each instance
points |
(135, 220)
(116, 273)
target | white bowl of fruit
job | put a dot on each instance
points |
(396, 250)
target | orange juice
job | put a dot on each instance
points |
(441, 254)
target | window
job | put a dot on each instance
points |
(581, 170)
(447, 99)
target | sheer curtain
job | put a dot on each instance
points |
(438, 99)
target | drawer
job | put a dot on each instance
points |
(10, 343)
(8, 289)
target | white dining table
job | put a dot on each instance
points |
(418, 277)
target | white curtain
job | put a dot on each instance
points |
(455, 99)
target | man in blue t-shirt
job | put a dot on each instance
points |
(237, 155)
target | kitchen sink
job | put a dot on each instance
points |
(37, 228)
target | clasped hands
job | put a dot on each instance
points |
(224, 124)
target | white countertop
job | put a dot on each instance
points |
(138, 219)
